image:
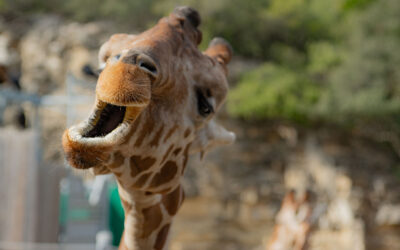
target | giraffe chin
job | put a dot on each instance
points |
(88, 144)
(83, 156)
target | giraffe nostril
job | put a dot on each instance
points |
(148, 66)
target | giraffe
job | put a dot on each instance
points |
(156, 98)
(293, 223)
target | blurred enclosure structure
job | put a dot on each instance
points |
(314, 101)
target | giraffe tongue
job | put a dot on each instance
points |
(111, 116)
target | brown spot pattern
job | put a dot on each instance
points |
(131, 132)
(101, 170)
(185, 157)
(171, 201)
(152, 219)
(187, 133)
(139, 164)
(176, 151)
(147, 129)
(141, 181)
(107, 157)
(118, 160)
(157, 136)
(170, 132)
(167, 153)
(167, 173)
(162, 237)
(165, 191)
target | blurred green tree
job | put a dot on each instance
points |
(134, 13)
(367, 82)
(349, 74)
(273, 91)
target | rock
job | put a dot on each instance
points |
(388, 215)
(52, 48)
(249, 196)
(343, 186)
(296, 178)
(340, 214)
(347, 239)
(8, 51)
(79, 57)
(289, 134)
(42, 57)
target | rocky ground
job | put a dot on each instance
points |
(236, 191)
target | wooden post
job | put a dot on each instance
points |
(18, 172)
(29, 192)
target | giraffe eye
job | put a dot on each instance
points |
(204, 107)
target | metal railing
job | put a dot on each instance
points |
(67, 105)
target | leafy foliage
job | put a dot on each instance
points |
(290, 94)
(367, 82)
(352, 73)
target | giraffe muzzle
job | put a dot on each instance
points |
(123, 91)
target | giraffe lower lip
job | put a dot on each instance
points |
(110, 117)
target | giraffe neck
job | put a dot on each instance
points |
(148, 218)
(148, 167)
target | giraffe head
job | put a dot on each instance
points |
(156, 95)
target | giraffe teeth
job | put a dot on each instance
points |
(131, 113)
(95, 116)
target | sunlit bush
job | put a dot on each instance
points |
(273, 91)
(351, 76)
(367, 82)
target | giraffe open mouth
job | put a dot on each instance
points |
(107, 124)
(106, 120)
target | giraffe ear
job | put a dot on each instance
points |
(188, 13)
(189, 19)
(221, 50)
(211, 136)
